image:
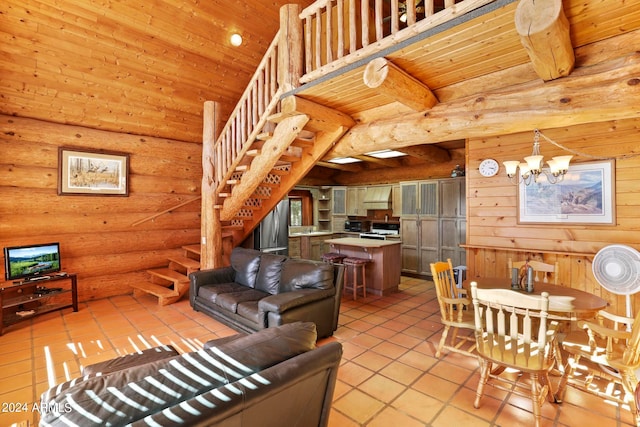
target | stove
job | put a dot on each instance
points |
(382, 231)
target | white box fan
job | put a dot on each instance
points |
(617, 269)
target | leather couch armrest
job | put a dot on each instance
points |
(220, 341)
(208, 277)
(282, 302)
(131, 361)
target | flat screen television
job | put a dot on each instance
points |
(27, 262)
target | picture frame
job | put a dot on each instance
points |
(586, 195)
(92, 172)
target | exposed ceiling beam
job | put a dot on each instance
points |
(544, 32)
(388, 163)
(393, 82)
(349, 167)
(573, 100)
(428, 152)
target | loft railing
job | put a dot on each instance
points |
(340, 32)
(333, 34)
(247, 120)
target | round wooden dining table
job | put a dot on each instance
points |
(568, 303)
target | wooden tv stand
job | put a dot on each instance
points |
(24, 299)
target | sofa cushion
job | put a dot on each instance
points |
(211, 292)
(230, 300)
(249, 310)
(126, 396)
(268, 278)
(245, 262)
(300, 274)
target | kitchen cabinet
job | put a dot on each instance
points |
(309, 246)
(355, 201)
(452, 220)
(317, 247)
(396, 201)
(419, 198)
(419, 226)
(339, 200)
(294, 247)
(433, 223)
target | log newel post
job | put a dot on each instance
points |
(290, 48)
(210, 229)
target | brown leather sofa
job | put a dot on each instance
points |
(261, 290)
(272, 378)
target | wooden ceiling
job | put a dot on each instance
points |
(146, 67)
(142, 67)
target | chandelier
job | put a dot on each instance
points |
(533, 166)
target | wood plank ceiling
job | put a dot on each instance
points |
(146, 67)
(142, 67)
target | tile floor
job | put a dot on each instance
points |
(389, 375)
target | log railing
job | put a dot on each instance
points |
(247, 120)
(340, 32)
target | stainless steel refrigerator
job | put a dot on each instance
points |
(272, 234)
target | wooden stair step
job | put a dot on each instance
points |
(289, 159)
(194, 249)
(168, 274)
(279, 172)
(268, 184)
(302, 143)
(165, 296)
(278, 117)
(265, 136)
(153, 289)
(188, 263)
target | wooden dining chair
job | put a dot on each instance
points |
(512, 330)
(541, 270)
(603, 356)
(455, 310)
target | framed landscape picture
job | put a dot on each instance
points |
(96, 173)
(586, 195)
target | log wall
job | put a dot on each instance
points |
(97, 235)
(495, 235)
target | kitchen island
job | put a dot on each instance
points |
(383, 272)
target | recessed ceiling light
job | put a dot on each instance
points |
(236, 39)
(386, 154)
(344, 160)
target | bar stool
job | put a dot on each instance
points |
(333, 257)
(352, 263)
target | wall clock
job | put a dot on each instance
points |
(489, 167)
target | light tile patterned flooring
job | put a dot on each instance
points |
(389, 374)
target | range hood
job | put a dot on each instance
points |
(378, 197)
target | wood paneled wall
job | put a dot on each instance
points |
(98, 239)
(492, 206)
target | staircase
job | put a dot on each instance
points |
(268, 144)
(267, 169)
(170, 283)
(263, 172)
